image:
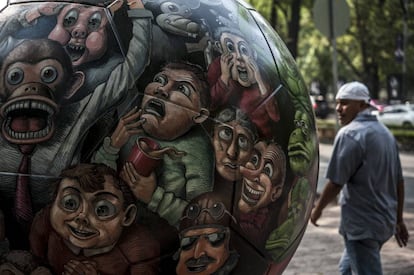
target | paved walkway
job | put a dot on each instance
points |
(321, 248)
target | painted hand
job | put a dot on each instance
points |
(128, 125)
(142, 187)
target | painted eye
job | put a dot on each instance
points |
(95, 21)
(169, 7)
(268, 169)
(162, 79)
(15, 76)
(49, 74)
(71, 18)
(244, 50)
(71, 202)
(105, 209)
(230, 46)
(184, 89)
(226, 134)
(243, 142)
(255, 159)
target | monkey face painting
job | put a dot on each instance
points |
(36, 76)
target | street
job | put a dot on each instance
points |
(321, 247)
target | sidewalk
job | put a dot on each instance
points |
(321, 248)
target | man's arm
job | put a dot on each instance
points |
(401, 233)
(330, 191)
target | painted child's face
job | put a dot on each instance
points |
(244, 68)
(82, 31)
(233, 146)
(88, 220)
(262, 180)
(171, 104)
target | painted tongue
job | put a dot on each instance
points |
(27, 124)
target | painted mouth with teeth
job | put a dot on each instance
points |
(155, 107)
(75, 51)
(251, 195)
(28, 120)
(82, 233)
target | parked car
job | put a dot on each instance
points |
(397, 115)
(320, 106)
(378, 104)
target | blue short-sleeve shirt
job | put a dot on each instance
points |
(365, 161)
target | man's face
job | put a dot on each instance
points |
(203, 250)
(233, 146)
(347, 110)
(244, 67)
(262, 182)
(171, 104)
(88, 220)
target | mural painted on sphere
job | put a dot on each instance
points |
(150, 137)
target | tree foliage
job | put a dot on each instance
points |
(365, 52)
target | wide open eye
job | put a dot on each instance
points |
(244, 49)
(183, 88)
(105, 209)
(230, 46)
(15, 76)
(71, 18)
(49, 74)
(268, 169)
(169, 7)
(70, 202)
(225, 134)
(95, 21)
(160, 78)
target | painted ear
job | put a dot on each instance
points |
(201, 116)
(276, 192)
(130, 214)
(78, 78)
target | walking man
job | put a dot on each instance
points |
(365, 166)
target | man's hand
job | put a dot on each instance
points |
(401, 234)
(315, 215)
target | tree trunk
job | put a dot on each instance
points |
(293, 34)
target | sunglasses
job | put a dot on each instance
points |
(216, 239)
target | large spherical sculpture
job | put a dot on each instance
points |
(150, 137)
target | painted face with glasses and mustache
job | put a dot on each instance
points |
(204, 243)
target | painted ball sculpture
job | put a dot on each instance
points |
(150, 137)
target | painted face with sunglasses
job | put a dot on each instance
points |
(204, 246)
(203, 250)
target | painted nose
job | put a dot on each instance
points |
(79, 32)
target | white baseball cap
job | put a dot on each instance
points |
(355, 91)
